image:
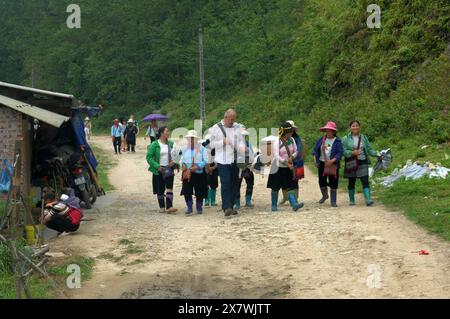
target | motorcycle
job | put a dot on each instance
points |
(85, 190)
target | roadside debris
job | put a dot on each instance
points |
(415, 171)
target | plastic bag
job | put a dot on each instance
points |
(383, 164)
(5, 180)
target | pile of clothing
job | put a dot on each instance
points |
(415, 171)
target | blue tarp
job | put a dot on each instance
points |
(5, 180)
(80, 138)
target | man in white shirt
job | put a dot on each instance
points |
(227, 140)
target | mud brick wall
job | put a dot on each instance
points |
(10, 133)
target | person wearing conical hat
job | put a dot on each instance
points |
(193, 162)
(282, 168)
(327, 153)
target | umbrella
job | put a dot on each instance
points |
(157, 117)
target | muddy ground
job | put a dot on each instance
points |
(319, 252)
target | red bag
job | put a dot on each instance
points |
(75, 216)
(299, 173)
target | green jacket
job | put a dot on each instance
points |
(153, 156)
(347, 141)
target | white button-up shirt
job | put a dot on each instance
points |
(225, 153)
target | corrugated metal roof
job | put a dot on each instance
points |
(51, 118)
(25, 88)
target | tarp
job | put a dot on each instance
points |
(5, 180)
(80, 138)
(415, 171)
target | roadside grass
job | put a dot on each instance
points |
(105, 164)
(41, 288)
(425, 201)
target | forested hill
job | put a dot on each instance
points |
(309, 61)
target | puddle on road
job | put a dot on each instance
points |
(190, 286)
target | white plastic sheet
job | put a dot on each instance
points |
(414, 171)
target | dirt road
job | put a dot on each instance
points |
(319, 252)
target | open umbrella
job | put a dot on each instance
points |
(157, 117)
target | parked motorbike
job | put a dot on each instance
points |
(84, 188)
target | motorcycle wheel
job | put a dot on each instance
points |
(85, 198)
(93, 194)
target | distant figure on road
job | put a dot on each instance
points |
(88, 127)
(116, 136)
(130, 136)
(123, 127)
(152, 131)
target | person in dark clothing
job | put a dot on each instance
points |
(130, 136)
(327, 153)
(212, 176)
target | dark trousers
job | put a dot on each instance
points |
(325, 181)
(352, 182)
(131, 148)
(61, 224)
(117, 143)
(229, 181)
(249, 180)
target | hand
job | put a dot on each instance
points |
(317, 165)
(329, 163)
(356, 152)
(172, 163)
(194, 168)
(160, 169)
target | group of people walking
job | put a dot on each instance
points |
(123, 135)
(226, 154)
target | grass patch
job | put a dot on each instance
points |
(125, 242)
(86, 266)
(134, 250)
(105, 164)
(110, 257)
(425, 201)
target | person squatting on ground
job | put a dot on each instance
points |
(357, 151)
(282, 168)
(159, 158)
(130, 136)
(327, 153)
(212, 174)
(116, 136)
(193, 162)
(227, 140)
(64, 215)
(246, 173)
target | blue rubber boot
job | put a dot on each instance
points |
(189, 209)
(274, 201)
(294, 202)
(248, 200)
(351, 196)
(213, 197)
(237, 203)
(369, 201)
(208, 198)
(199, 207)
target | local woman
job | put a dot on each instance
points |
(130, 136)
(281, 170)
(193, 162)
(212, 175)
(357, 152)
(160, 160)
(327, 153)
(116, 136)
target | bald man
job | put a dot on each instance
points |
(227, 140)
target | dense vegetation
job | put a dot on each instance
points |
(306, 60)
